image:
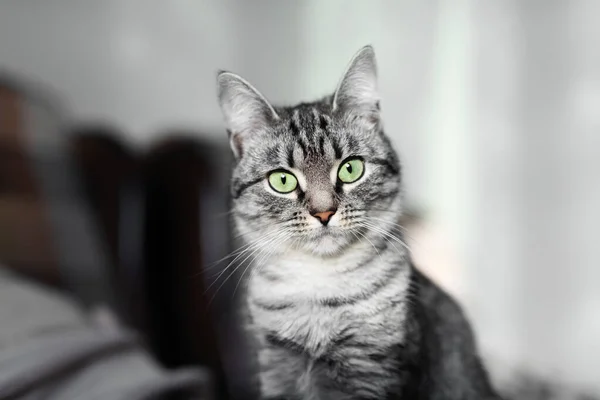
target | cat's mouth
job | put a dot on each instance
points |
(328, 240)
(324, 231)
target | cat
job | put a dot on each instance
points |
(336, 307)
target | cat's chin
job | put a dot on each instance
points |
(327, 246)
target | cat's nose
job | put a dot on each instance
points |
(324, 216)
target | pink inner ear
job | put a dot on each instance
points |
(236, 144)
(374, 118)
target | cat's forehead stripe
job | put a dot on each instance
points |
(295, 123)
(324, 123)
(294, 128)
(316, 125)
(303, 145)
(310, 127)
(290, 156)
(321, 145)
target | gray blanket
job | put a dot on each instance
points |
(51, 349)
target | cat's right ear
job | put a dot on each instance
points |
(357, 94)
(245, 109)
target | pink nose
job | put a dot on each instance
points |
(324, 216)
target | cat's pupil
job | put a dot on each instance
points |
(349, 168)
(283, 178)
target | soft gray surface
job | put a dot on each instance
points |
(50, 349)
(28, 310)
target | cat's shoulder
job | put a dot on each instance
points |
(449, 346)
(434, 300)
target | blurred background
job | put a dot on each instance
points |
(114, 159)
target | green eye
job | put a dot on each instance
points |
(282, 181)
(351, 170)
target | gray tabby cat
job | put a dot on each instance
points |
(337, 308)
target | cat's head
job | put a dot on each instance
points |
(317, 176)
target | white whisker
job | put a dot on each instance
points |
(376, 228)
(262, 253)
(257, 248)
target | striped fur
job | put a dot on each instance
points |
(338, 311)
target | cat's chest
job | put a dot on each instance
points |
(313, 329)
(312, 302)
(290, 305)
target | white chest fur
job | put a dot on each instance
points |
(302, 285)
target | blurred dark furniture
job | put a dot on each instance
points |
(185, 190)
(159, 217)
(25, 234)
(111, 181)
(159, 214)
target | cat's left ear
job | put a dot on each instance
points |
(357, 94)
(245, 109)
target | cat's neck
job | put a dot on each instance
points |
(301, 275)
